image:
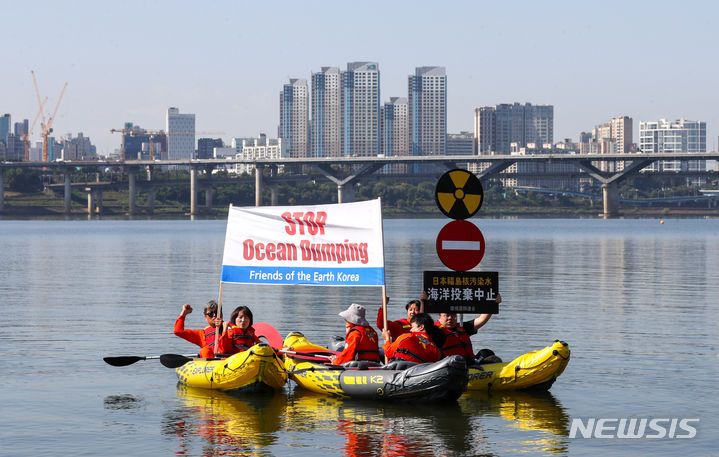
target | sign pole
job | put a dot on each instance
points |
(384, 276)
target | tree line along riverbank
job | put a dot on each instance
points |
(27, 196)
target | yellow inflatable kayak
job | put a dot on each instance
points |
(536, 370)
(306, 364)
(256, 369)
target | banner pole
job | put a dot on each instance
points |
(219, 314)
(384, 276)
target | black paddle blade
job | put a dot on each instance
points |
(122, 361)
(173, 360)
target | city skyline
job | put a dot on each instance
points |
(120, 69)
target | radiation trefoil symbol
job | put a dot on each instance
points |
(459, 194)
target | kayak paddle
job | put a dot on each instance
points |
(124, 361)
(174, 360)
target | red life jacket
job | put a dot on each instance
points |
(241, 340)
(415, 347)
(208, 350)
(368, 346)
(457, 343)
(405, 325)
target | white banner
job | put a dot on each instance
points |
(322, 245)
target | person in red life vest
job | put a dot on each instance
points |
(238, 334)
(421, 345)
(206, 337)
(362, 342)
(398, 327)
(458, 335)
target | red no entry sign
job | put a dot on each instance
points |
(460, 245)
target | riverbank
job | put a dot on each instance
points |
(43, 206)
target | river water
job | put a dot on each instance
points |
(637, 301)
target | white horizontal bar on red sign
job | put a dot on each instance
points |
(449, 245)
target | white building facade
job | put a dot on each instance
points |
(680, 136)
(180, 129)
(427, 102)
(326, 113)
(360, 107)
(294, 120)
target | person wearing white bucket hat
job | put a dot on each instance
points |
(362, 340)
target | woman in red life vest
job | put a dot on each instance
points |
(362, 342)
(238, 334)
(458, 341)
(206, 337)
(421, 345)
(398, 327)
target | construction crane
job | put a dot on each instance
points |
(46, 124)
(151, 134)
(26, 134)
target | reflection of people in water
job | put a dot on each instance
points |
(230, 424)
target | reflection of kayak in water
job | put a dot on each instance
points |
(536, 370)
(539, 420)
(407, 429)
(256, 369)
(443, 380)
(538, 411)
(245, 422)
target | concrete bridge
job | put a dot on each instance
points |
(343, 171)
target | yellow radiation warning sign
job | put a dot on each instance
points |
(459, 194)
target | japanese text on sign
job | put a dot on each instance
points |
(461, 292)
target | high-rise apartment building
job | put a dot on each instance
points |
(4, 126)
(294, 121)
(326, 113)
(180, 130)
(395, 132)
(680, 136)
(497, 127)
(618, 130)
(427, 101)
(360, 107)
(78, 148)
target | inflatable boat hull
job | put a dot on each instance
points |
(254, 370)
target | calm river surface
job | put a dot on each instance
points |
(637, 301)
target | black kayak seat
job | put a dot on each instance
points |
(399, 365)
(361, 364)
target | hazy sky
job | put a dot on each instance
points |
(226, 61)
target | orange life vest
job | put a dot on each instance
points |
(208, 350)
(415, 347)
(368, 346)
(457, 343)
(241, 340)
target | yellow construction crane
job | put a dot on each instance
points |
(26, 134)
(46, 124)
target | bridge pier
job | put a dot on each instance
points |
(611, 199)
(274, 194)
(345, 193)
(68, 192)
(258, 184)
(94, 201)
(131, 177)
(193, 190)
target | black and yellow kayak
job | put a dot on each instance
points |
(443, 380)
(536, 370)
(254, 370)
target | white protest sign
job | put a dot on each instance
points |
(322, 245)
